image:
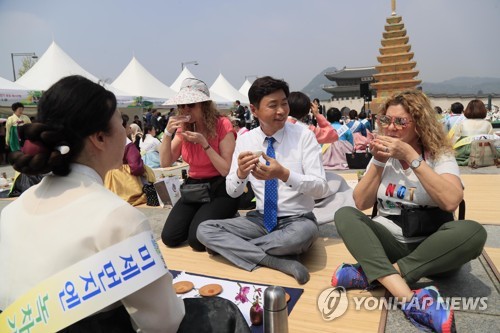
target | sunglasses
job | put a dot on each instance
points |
(398, 122)
(190, 106)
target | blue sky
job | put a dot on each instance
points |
(289, 39)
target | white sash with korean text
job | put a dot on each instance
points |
(341, 131)
(86, 287)
(355, 126)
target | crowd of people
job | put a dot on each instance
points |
(276, 146)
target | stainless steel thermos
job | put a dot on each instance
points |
(275, 310)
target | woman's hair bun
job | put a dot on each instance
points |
(41, 151)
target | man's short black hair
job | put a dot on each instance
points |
(300, 104)
(457, 108)
(264, 86)
(333, 115)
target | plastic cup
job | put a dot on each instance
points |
(183, 118)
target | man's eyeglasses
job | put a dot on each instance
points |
(398, 122)
(190, 106)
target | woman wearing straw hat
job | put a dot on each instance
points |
(206, 141)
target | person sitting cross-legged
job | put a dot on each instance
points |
(415, 181)
(286, 179)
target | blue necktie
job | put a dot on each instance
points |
(270, 193)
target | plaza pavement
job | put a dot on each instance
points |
(475, 279)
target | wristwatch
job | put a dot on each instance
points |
(416, 163)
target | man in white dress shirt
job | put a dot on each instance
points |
(253, 241)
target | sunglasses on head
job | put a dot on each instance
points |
(190, 106)
(398, 122)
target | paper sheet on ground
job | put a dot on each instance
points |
(229, 290)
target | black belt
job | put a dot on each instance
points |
(308, 215)
(285, 217)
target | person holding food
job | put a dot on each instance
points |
(283, 163)
(414, 181)
(205, 140)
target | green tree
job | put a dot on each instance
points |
(27, 63)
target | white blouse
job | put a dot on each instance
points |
(476, 126)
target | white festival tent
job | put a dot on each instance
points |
(11, 92)
(137, 81)
(222, 103)
(176, 86)
(222, 87)
(55, 64)
(245, 87)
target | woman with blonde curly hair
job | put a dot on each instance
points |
(205, 140)
(427, 128)
(414, 179)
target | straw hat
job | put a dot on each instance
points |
(192, 91)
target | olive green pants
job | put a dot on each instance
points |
(376, 249)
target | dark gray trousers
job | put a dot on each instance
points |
(245, 241)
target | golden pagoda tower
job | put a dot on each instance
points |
(396, 70)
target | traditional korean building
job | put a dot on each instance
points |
(351, 82)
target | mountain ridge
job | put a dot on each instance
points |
(457, 85)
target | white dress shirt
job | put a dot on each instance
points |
(296, 149)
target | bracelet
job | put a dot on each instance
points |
(378, 163)
(206, 148)
(167, 133)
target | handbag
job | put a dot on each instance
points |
(484, 153)
(358, 160)
(195, 193)
(418, 222)
(151, 196)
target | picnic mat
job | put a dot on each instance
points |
(230, 291)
